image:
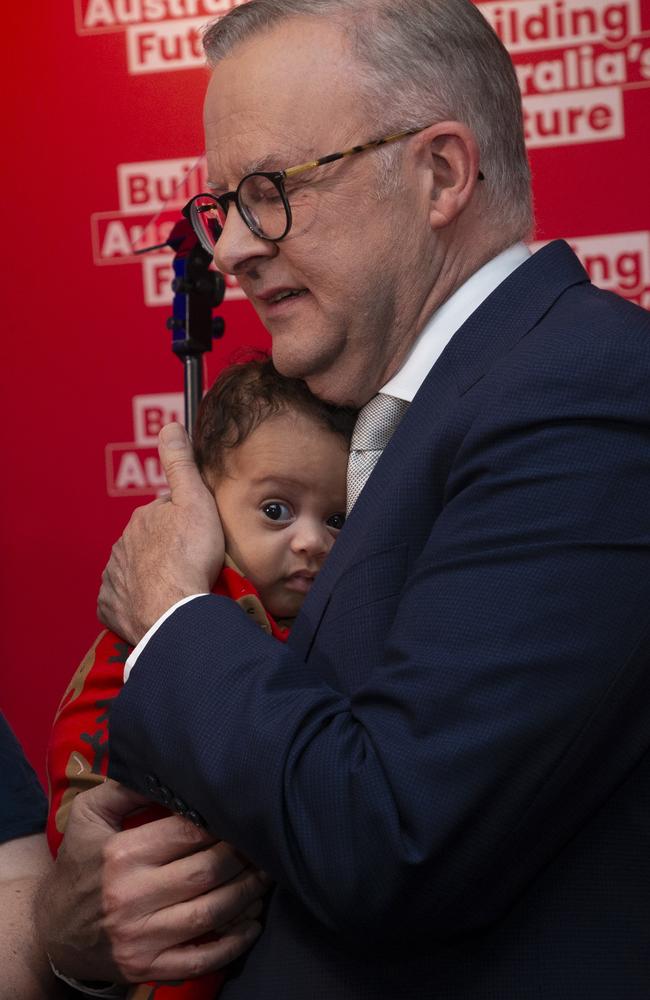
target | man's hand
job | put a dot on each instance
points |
(171, 548)
(124, 906)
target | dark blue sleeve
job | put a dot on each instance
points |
(23, 805)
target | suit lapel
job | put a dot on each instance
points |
(512, 310)
(505, 317)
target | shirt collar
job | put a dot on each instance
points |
(446, 320)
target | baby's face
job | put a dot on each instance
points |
(282, 504)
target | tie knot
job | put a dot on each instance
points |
(376, 422)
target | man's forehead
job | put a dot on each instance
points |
(234, 149)
(262, 110)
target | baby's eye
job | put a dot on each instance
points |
(277, 511)
(335, 521)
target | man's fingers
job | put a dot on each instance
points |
(112, 578)
(108, 804)
(219, 911)
(158, 842)
(141, 892)
(177, 460)
(192, 960)
(153, 885)
(210, 867)
(171, 548)
(250, 913)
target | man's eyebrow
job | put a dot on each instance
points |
(268, 162)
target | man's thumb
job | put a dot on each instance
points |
(110, 802)
(177, 460)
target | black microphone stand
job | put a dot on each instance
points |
(197, 292)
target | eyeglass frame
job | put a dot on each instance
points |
(278, 177)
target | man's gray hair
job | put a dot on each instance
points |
(421, 61)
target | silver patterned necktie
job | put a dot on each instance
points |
(374, 428)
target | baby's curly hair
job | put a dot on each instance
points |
(242, 397)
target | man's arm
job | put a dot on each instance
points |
(125, 906)
(26, 971)
(496, 718)
(24, 861)
(174, 550)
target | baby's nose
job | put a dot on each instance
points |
(313, 538)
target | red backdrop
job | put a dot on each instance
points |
(104, 117)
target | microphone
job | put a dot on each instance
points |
(181, 240)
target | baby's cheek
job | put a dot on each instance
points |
(329, 544)
(263, 568)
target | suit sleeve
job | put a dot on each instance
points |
(509, 701)
(23, 806)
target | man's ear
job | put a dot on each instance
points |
(449, 161)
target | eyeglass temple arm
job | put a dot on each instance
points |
(292, 171)
(332, 157)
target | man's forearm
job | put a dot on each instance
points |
(26, 971)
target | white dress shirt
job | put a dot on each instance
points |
(449, 318)
(426, 350)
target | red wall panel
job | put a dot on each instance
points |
(102, 114)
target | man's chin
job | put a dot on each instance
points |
(293, 363)
(327, 375)
(331, 388)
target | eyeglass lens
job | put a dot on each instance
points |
(262, 207)
(207, 218)
(260, 204)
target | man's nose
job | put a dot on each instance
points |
(237, 247)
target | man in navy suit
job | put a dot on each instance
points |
(446, 770)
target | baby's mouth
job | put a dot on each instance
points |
(300, 581)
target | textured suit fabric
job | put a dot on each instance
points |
(23, 805)
(447, 768)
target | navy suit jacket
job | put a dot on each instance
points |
(447, 769)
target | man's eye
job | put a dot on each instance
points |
(335, 521)
(294, 186)
(277, 511)
(256, 189)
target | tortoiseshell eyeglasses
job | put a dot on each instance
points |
(262, 200)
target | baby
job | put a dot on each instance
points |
(274, 457)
